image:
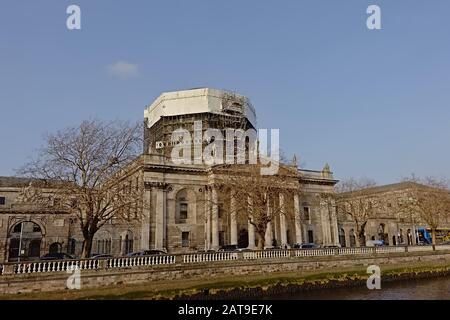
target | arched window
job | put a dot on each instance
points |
(102, 242)
(55, 247)
(17, 228)
(25, 241)
(127, 243)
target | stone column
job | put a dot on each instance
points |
(215, 220)
(207, 219)
(160, 218)
(145, 226)
(325, 221)
(251, 228)
(334, 224)
(283, 235)
(233, 222)
(268, 236)
(414, 234)
(297, 221)
(347, 237)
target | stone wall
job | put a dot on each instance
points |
(55, 281)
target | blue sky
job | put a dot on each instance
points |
(371, 103)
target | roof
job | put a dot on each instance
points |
(15, 181)
(198, 100)
(387, 188)
(19, 182)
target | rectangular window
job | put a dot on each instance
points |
(183, 211)
(2, 201)
(185, 239)
(306, 212)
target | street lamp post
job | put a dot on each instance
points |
(20, 242)
(415, 232)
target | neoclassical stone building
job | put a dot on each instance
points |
(34, 229)
(180, 217)
(183, 218)
(389, 222)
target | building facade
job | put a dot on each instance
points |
(389, 222)
(180, 217)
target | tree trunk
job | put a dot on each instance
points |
(261, 241)
(357, 237)
(433, 236)
(87, 246)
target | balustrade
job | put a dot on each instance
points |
(127, 262)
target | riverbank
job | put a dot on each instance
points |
(247, 286)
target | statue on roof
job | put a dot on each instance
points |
(294, 161)
(29, 194)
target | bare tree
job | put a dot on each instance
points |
(258, 199)
(352, 184)
(429, 198)
(358, 202)
(93, 169)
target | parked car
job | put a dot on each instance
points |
(231, 247)
(305, 246)
(56, 256)
(146, 253)
(100, 256)
(378, 243)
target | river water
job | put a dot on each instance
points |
(423, 289)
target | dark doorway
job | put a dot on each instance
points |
(55, 248)
(221, 238)
(310, 236)
(410, 237)
(71, 246)
(34, 250)
(243, 238)
(342, 238)
(352, 238)
(13, 249)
